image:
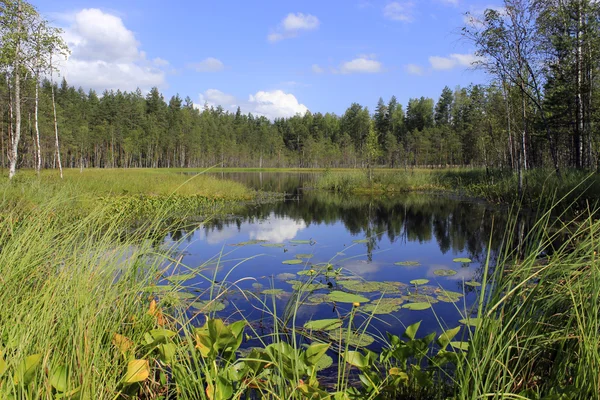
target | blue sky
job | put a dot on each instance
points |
(272, 57)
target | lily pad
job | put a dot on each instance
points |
(300, 241)
(370, 287)
(285, 276)
(356, 339)
(445, 272)
(317, 298)
(343, 297)
(419, 281)
(407, 263)
(420, 298)
(462, 260)
(323, 324)
(307, 272)
(292, 262)
(361, 241)
(273, 291)
(447, 299)
(417, 306)
(304, 255)
(207, 306)
(276, 245)
(384, 306)
(305, 286)
(473, 283)
(248, 243)
(449, 293)
(257, 286)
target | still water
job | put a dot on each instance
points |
(395, 239)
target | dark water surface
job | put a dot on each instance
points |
(364, 236)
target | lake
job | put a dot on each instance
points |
(371, 246)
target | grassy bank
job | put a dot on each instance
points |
(88, 313)
(127, 190)
(540, 186)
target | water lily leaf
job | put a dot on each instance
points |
(307, 272)
(470, 321)
(248, 243)
(445, 272)
(185, 295)
(272, 291)
(462, 260)
(304, 255)
(447, 299)
(420, 298)
(206, 306)
(158, 289)
(300, 241)
(419, 281)
(417, 306)
(181, 277)
(285, 276)
(317, 298)
(383, 306)
(473, 283)
(343, 297)
(361, 241)
(369, 287)
(305, 286)
(356, 339)
(257, 285)
(449, 293)
(276, 245)
(137, 371)
(292, 262)
(59, 378)
(323, 324)
(407, 263)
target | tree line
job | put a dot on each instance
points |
(540, 108)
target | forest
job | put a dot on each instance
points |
(539, 109)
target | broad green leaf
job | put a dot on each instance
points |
(447, 336)
(324, 362)
(304, 256)
(26, 370)
(323, 324)
(315, 351)
(272, 292)
(445, 272)
(300, 241)
(419, 281)
(59, 378)
(462, 260)
(473, 283)
(361, 241)
(343, 297)
(292, 262)
(411, 331)
(356, 339)
(137, 371)
(206, 306)
(417, 306)
(167, 352)
(383, 306)
(356, 359)
(460, 345)
(407, 263)
(470, 321)
(276, 245)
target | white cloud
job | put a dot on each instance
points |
(292, 25)
(216, 98)
(276, 104)
(451, 2)
(160, 62)
(452, 61)
(271, 104)
(363, 64)
(277, 230)
(317, 69)
(399, 11)
(414, 69)
(209, 64)
(106, 55)
(299, 21)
